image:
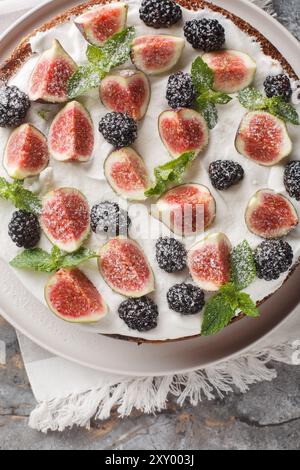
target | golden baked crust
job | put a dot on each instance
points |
(23, 52)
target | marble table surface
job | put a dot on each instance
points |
(268, 417)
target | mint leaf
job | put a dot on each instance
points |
(208, 110)
(80, 256)
(20, 197)
(243, 268)
(217, 97)
(230, 292)
(115, 51)
(41, 261)
(34, 259)
(86, 77)
(252, 99)
(283, 110)
(171, 172)
(207, 98)
(217, 314)
(202, 76)
(247, 306)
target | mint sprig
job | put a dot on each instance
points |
(39, 260)
(207, 99)
(115, 51)
(20, 197)
(243, 268)
(170, 173)
(254, 100)
(222, 307)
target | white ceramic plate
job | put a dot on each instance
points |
(35, 321)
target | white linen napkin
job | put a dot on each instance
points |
(69, 394)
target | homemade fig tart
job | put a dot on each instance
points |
(150, 151)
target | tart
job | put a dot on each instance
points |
(164, 130)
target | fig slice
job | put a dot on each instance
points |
(72, 297)
(263, 138)
(209, 262)
(71, 135)
(156, 54)
(126, 91)
(270, 215)
(125, 268)
(26, 153)
(126, 173)
(183, 130)
(233, 70)
(49, 79)
(100, 23)
(65, 218)
(187, 209)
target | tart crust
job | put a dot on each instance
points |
(23, 52)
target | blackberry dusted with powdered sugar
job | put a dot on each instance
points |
(139, 314)
(205, 34)
(273, 258)
(160, 13)
(24, 229)
(171, 255)
(108, 217)
(119, 129)
(278, 85)
(292, 179)
(225, 173)
(180, 91)
(186, 299)
(14, 105)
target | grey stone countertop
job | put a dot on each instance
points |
(268, 417)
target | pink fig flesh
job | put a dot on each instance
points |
(125, 268)
(73, 297)
(233, 70)
(126, 173)
(71, 136)
(49, 79)
(26, 153)
(156, 54)
(65, 218)
(270, 215)
(263, 138)
(183, 130)
(187, 209)
(100, 23)
(209, 262)
(126, 92)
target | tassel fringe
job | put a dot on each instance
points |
(151, 394)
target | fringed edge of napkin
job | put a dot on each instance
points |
(151, 394)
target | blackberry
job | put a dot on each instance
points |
(119, 129)
(225, 173)
(109, 218)
(292, 179)
(24, 229)
(14, 105)
(278, 85)
(272, 258)
(139, 314)
(186, 299)
(205, 34)
(180, 91)
(171, 255)
(160, 13)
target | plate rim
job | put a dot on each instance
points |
(23, 19)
